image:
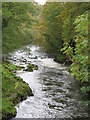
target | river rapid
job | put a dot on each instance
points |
(56, 92)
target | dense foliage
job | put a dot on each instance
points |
(79, 67)
(18, 20)
(57, 23)
(17, 24)
(64, 27)
(52, 31)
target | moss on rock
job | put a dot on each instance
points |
(14, 90)
(35, 67)
(31, 67)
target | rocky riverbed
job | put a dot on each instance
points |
(56, 93)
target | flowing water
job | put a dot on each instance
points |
(56, 92)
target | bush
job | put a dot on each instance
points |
(60, 58)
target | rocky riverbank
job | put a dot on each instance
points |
(14, 89)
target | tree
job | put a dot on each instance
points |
(17, 22)
(52, 27)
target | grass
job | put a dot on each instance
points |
(14, 90)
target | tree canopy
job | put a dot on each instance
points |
(64, 27)
(17, 24)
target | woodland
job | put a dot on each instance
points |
(60, 28)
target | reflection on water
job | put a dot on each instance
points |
(56, 93)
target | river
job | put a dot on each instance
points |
(56, 92)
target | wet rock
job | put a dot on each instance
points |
(35, 57)
(30, 53)
(43, 57)
(35, 67)
(18, 58)
(60, 73)
(14, 59)
(9, 58)
(32, 57)
(31, 67)
(59, 100)
(24, 60)
(15, 71)
(59, 90)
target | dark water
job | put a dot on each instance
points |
(56, 92)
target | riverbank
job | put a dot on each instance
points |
(14, 90)
(61, 58)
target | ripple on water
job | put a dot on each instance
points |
(56, 92)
